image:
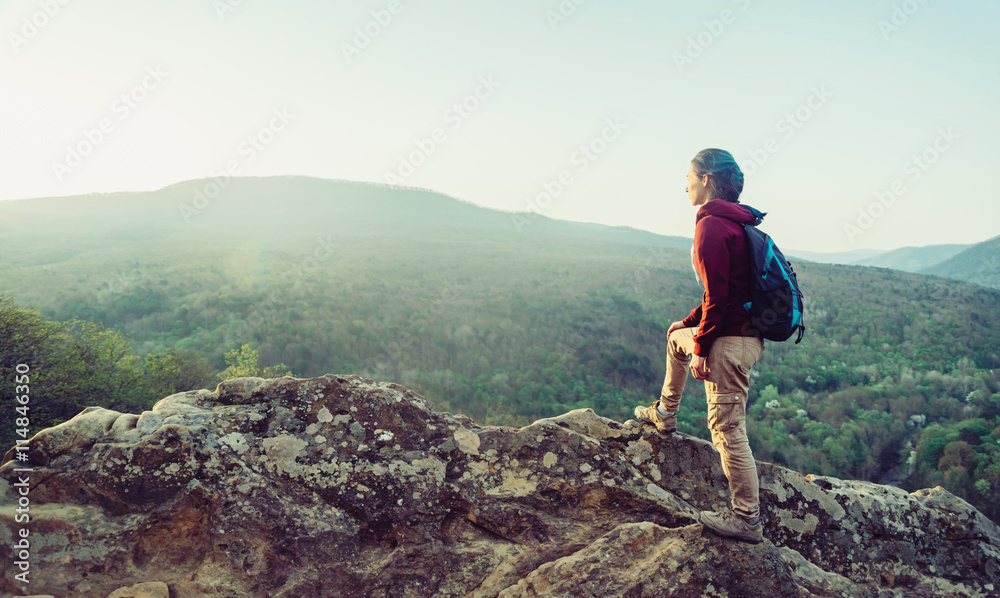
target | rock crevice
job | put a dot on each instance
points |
(343, 486)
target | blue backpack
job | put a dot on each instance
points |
(775, 305)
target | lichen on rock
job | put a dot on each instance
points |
(344, 486)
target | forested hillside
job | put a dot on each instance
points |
(979, 264)
(506, 320)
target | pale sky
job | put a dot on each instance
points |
(824, 104)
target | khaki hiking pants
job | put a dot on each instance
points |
(729, 363)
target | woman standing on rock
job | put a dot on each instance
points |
(716, 340)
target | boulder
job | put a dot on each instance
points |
(343, 486)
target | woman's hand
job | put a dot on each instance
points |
(699, 367)
(675, 326)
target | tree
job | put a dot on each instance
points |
(28, 347)
(245, 363)
(106, 369)
(77, 364)
(176, 370)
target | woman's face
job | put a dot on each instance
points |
(697, 187)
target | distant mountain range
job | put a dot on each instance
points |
(841, 257)
(913, 259)
(262, 206)
(979, 263)
(268, 204)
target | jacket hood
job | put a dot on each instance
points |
(737, 212)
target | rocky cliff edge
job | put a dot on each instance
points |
(343, 486)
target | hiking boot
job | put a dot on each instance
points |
(731, 525)
(649, 414)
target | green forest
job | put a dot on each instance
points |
(120, 304)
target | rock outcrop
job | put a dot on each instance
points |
(342, 486)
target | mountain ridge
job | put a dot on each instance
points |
(913, 259)
(177, 207)
(979, 264)
(197, 217)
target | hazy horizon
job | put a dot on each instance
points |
(862, 252)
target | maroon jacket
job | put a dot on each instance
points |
(722, 260)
